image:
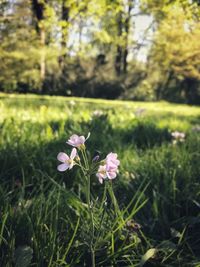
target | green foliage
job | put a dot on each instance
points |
(175, 52)
(18, 52)
(89, 48)
(158, 184)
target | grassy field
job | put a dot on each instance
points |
(43, 214)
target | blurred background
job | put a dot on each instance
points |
(128, 49)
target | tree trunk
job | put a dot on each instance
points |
(190, 86)
(162, 86)
(38, 9)
(127, 28)
(118, 58)
(43, 56)
(65, 18)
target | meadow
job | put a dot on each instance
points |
(43, 215)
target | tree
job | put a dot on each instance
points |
(64, 30)
(39, 11)
(175, 52)
(18, 42)
(123, 19)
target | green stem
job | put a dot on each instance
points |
(84, 159)
(90, 209)
(86, 171)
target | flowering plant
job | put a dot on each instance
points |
(105, 170)
(178, 137)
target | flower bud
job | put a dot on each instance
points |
(96, 158)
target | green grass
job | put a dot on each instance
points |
(43, 217)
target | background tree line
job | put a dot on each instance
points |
(88, 48)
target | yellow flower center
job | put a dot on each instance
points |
(103, 172)
(69, 161)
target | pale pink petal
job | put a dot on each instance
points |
(102, 171)
(111, 175)
(63, 167)
(76, 140)
(74, 137)
(117, 162)
(81, 140)
(73, 140)
(110, 165)
(100, 175)
(71, 165)
(111, 156)
(72, 143)
(100, 180)
(73, 153)
(69, 142)
(62, 157)
(97, 175)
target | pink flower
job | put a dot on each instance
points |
(111, 159)
(67, 162)
(109, 169)
(77, 141)
(106, 171)
(178, 137)
(101, 174)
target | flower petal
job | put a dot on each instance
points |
(111, 156)
(73, 153)
(100, 180)
(110, 165)
(72, 141)
(74, 137)
(63, 167)
(111, 175)
(62, 157)
(69, 142)
(71, 166)
(81, 140)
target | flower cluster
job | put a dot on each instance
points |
(106, 169)
(178, 137)
(109, 169)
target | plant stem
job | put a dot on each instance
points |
(90, 209)
(86, 172)
(84, 159)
